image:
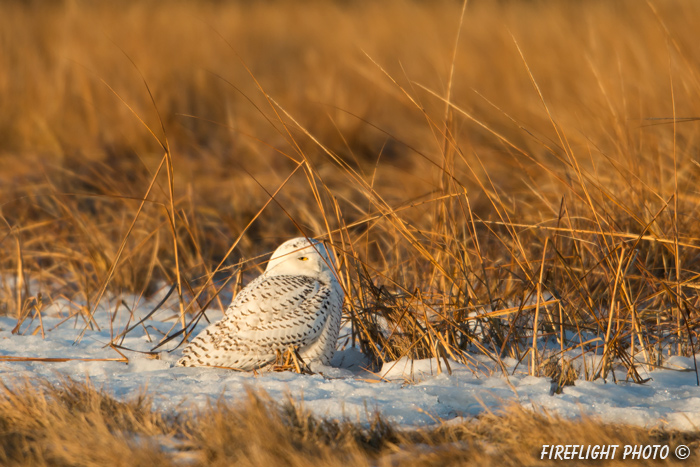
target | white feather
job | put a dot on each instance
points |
(296, 302)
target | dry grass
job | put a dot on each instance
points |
(515, 195)
(75, 424)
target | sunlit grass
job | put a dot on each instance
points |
(523, 191)
(73, 423)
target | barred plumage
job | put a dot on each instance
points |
(296, 302)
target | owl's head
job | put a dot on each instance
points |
(301, 256)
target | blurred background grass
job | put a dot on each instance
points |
(550, 177)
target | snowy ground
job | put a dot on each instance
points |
(671, 398)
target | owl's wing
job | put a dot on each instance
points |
(279, 310)
(270, 314)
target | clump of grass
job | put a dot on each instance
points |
(73, 423)
(562, 373)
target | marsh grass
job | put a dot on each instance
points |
(72, 423)
(515, 183)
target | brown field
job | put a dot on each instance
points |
(532, 166)
(78, 425)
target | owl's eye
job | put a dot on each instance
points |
(303, 258)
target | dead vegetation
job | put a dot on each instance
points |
(516, 183)
(75, 424)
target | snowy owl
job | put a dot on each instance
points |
(297, 302)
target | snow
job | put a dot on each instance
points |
(408, 393)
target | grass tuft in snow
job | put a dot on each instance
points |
(74, 423)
